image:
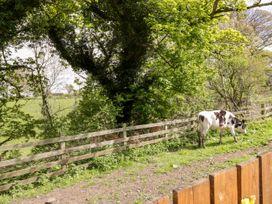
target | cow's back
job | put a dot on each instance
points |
(209, 119)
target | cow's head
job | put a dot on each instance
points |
(239, 125)
(221, 117)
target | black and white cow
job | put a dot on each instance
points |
(218, 119)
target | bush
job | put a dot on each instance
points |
(94, 112)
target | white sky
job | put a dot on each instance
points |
(66, 77)
(268, 8)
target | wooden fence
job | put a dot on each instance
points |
(249, 179)
(77, 149)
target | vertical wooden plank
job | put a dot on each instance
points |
(166, 128)
(63, 156)
(163, 200)
(266, 178)
(183, 196)
(62, 146)
(201, 192)
(125, 133)
(248, 180)
(224, 187)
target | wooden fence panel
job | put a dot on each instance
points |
(30, 180)
(201, 192)
(30, 158)
(184, 195)
(224, 187)
(266, 178)
(197, 194)
(163, 200)
(248, 180)
(31, 169)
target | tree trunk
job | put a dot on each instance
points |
(45, 105)
(125, 115)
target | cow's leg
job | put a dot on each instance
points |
(203, 129)
(203, 141)
(221, 134)
(200, 134)
(233, 133)
(203, 136)
(199, 138)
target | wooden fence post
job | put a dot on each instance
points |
(63, 156)
(265, 178)
(125, 133)
(62, 146)
(191, 123)
(166, 128)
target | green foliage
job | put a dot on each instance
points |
(238, 73)
(15, 123)
(94, 111)
(146, 55)
(12, 16)
(153, 55)
(184, 40)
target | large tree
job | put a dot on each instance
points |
(114, 40)
(112, 45)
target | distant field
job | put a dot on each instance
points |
(59, 105)
(32, 106)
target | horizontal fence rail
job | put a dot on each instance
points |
(250, 180)
(72, 149)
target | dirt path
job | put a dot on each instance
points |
(139, 185)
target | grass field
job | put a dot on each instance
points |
(58, 105)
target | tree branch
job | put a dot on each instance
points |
(215, 5)
(6, 140)
(229, 9)
(79, 55)
(93, 7)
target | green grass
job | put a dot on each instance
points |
(162, 155)
(59, 105)
(258, 134)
